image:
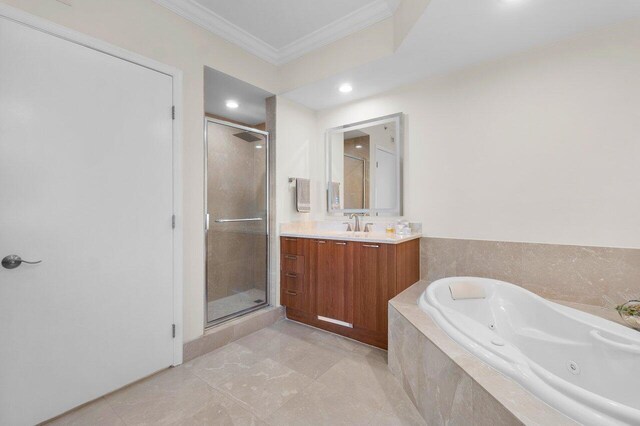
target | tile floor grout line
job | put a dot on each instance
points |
(111, 407)
(219, 388)
(295, 390)
(113, 410)
(242, 404)
(313, 382)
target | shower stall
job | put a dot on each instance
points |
(237, 218)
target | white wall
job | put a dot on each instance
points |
(146, 28)
(541, 147)
(296, 145)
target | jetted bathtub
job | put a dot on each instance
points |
(584, 366)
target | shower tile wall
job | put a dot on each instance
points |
(236, 184)
(596, 276)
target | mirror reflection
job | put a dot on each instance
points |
(364, 168)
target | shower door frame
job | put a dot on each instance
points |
(267, 302)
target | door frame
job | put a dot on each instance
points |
(375, 173)
(267, 302)
(48, 27)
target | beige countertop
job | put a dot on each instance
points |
(362, 237)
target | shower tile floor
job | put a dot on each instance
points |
(285, 374)
(236, 302)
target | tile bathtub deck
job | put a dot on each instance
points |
(285, 374)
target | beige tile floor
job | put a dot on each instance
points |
(286, 374)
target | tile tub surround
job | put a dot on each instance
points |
(285, 374)
(595, 276)
(447, 384)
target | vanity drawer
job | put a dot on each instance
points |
(294, 246)
(293, 299)
(293, 282)
(292, 263)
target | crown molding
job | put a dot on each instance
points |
(349, 24)
(213, 22)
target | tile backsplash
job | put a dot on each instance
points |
(596, 276)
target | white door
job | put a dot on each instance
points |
(385, 180)
(85, 187)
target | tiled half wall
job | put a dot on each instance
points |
(597, 276)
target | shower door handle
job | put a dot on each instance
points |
(249, 219)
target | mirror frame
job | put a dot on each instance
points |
(398, 120)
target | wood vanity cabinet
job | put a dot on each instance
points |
(333, 277)
(345, 286)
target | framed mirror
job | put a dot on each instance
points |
(364, 167)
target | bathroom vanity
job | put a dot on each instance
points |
(342, 282)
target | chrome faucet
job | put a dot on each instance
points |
(356, 227)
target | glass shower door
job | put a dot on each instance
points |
(237, 220)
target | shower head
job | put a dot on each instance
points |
(247, 136)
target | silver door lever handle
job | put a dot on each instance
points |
(13, 261)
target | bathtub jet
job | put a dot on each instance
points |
(582, 365)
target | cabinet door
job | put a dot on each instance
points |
(334, 281)
(374, 284)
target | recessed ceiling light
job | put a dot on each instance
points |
(258, 146)
(231, 104)
(345, 88)
(358, 146)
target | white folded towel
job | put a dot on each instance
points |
(462, 290)
(303, 195)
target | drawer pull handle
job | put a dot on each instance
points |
(291, 293)
(341, 244)
(321, 242)
(290, 239)
(289, 257)
(370, 245)
(291, 275)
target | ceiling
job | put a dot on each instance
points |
(220, 87)
(282, 30)
(453, 34)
